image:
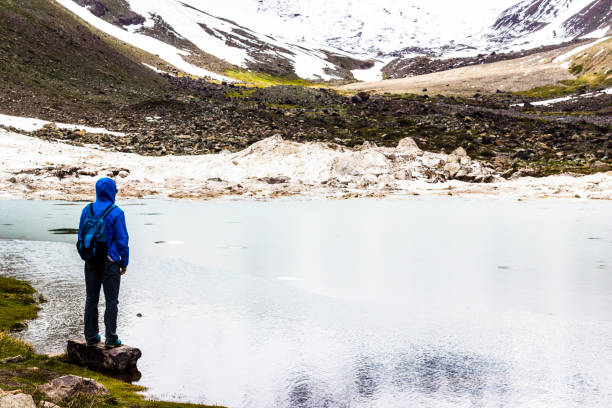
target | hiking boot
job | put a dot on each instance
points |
(112, 344)
(96, 341)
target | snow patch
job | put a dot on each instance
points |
(549, 102)
(372, 74)
(597, 33)
(577, 50)
(32, 124)
(159, 71)
(168, 53)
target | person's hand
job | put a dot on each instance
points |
(123, 270)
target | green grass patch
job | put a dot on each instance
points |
(10, 347)
(568, 87)
(240, 93)
(17, 303)
(576, 69)
(260, 79)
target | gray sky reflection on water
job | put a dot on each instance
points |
(431, 302)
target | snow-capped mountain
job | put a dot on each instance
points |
(539, 22)
(328, 39)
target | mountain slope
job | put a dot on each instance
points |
(537, 22)
(334, 39)
(49, 61)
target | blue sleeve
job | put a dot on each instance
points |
(122, 239)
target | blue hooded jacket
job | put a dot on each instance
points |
(116, 231)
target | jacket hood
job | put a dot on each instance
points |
(106, 190)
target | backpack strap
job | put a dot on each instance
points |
(90, 206)
(107, 211)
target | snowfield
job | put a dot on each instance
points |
(36, 169)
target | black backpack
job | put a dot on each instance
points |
(92, 243)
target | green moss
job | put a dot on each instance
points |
(260, 79)
(568, 87)
(576, 69)
(239, 93)
(16, 303)
(10, 347)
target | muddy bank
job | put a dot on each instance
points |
(37, 169)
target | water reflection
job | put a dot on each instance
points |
(334, 309)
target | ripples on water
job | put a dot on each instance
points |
(267, 309)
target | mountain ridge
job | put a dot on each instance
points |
(328, 40)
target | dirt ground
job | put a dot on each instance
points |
(519, 74)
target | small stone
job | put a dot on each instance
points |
(138, 314)
(68, 385)
(47, 404)
(12, 360)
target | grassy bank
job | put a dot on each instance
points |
(17, 304)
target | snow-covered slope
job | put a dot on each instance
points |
(531, 23)
(328, 39)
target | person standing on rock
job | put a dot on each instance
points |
(103, 245)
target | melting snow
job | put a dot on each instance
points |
(159, 71)
(268, 168)
(32, 124)
(577, 50)
(168, 53)
(549, 102)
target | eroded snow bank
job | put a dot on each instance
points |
(32, 124)
(33, 168)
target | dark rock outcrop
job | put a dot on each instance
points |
(119, 359)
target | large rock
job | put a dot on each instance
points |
(15, 399)
(65, 387)
(97, 356)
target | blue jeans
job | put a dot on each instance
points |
(108, 276)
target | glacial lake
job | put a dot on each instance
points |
(416, 302)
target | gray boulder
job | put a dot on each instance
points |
(15, 399)
(98, 357)
(65, 387)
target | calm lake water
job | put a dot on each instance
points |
(422, 302)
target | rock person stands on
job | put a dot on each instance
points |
(103, 245)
